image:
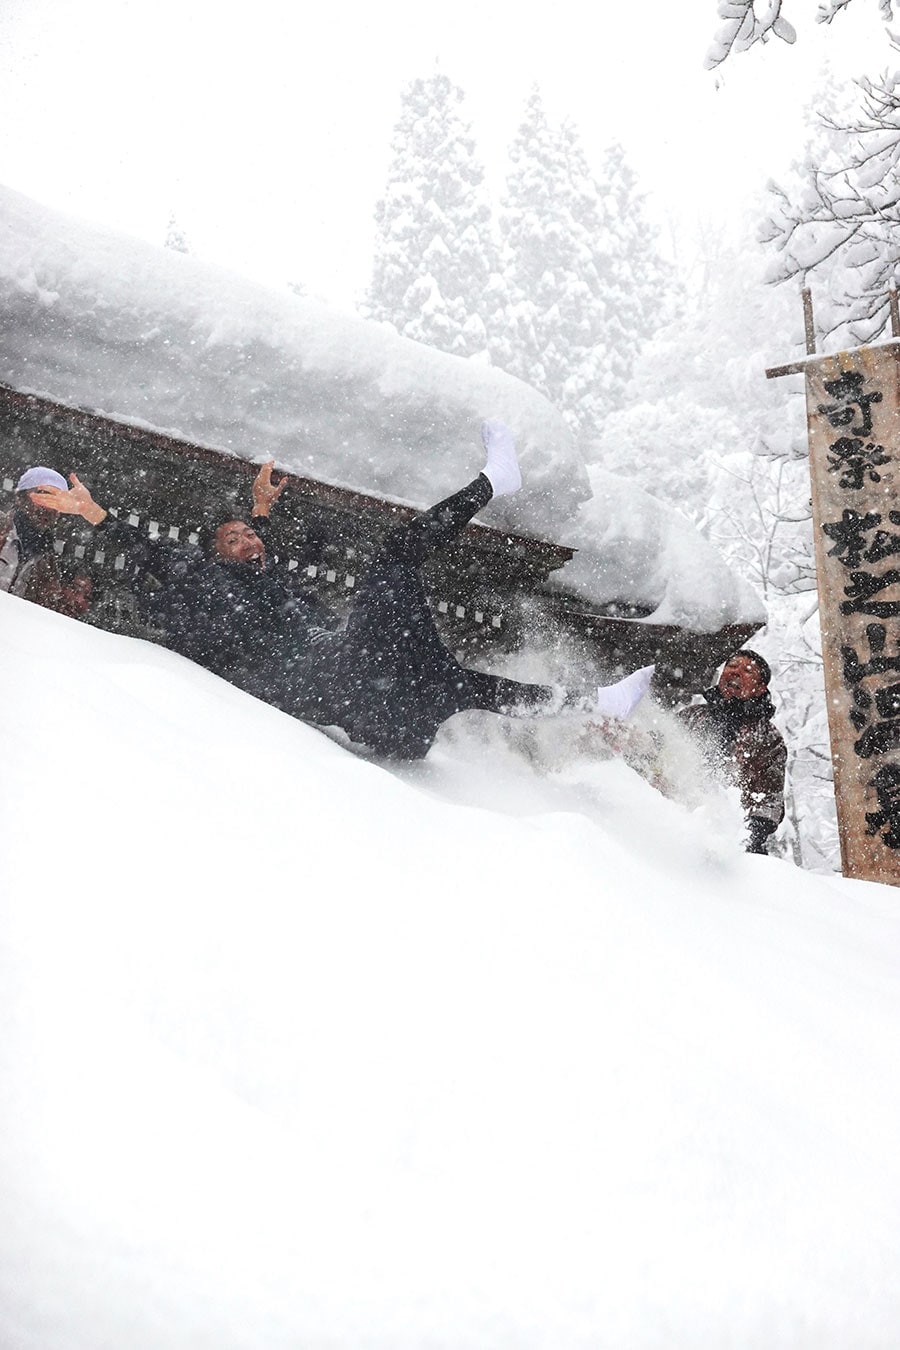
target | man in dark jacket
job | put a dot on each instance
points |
(385, 677)
(738, 738)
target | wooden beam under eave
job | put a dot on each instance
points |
(542, 555)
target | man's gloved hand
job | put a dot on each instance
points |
(759, 828)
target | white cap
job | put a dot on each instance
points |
(39, 476)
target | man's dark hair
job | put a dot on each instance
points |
(206, 533)
(210, 526)
(760, 662)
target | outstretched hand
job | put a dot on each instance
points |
(265, 492)
(74, 501)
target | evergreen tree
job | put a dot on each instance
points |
(580, 270)
(635, 288)
(434, 253)
(538, 250)
(602, 359)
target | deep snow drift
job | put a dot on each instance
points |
(95, 319)
(301, 1052)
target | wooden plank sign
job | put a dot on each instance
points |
(853, 415)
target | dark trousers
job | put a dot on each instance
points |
(393, 680)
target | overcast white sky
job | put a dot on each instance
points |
(265, 126)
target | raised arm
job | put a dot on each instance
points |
(157, 557)
(74, 501)
(265, 492)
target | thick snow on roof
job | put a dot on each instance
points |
(541, 1060)
(96, 319)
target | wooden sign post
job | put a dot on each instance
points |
(853, 416)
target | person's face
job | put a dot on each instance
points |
(75, 597)
(741, 678)
(236, 542)
(30, 504)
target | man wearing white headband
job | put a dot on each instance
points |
(29, 566)
(27, 560)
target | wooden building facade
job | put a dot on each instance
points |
(486, 590)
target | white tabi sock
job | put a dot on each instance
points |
(502, 468)
(619, 700)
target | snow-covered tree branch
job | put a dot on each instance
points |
(839, 220)
(747, 22)
(743, 27)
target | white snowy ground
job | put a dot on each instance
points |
(297, 1051)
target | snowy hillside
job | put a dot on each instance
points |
(95, 319)
(301, 1052)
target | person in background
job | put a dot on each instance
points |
(29, 564)
(386, 676)
(738, 738)
(27, 559)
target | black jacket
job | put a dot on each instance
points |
(386, 677)
(260, 628)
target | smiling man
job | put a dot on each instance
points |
(738, 738)
(235, 541)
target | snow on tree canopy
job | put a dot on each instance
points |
(96, 319)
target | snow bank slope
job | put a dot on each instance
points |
(93, 318)
(299, 1052)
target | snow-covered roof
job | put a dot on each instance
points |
(93, 318)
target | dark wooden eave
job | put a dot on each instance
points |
(99, 436)
(477, 588)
